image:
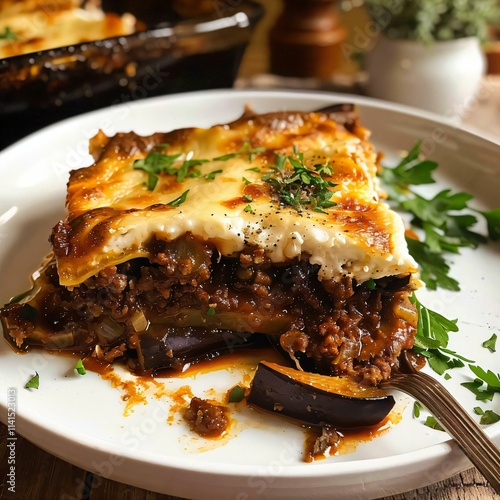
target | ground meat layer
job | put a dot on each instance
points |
(335, 327)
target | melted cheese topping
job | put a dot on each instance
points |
(113, 215)
(41, 24)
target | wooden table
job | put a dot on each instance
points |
(41, 475)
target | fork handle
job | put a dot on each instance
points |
(473, 441)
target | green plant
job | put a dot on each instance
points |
(428, 20)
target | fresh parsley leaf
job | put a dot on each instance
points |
(193, 173)
(491, 343)
(154, 164)
(246, 181)
(433, 267)
(33, 382)
(489, 377)
(254, 169)
(493, 222)
(489, 417)
(211, 311)
(444, 218)
(184, 169)
(180, 200)
(417, 408)
(300, 186)
(248, 208)
(478, 410)
(431, 339)
(370, 284)
(80, 368)
(254, 151)
(245, 149)
(211, 175)
(248, 197)
(8, 34)
(409, 171)
(476, 387)
(236, 394)
(433, 423)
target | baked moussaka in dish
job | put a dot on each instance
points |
(32, 25)
(204, 239)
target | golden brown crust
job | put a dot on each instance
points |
(112, 214)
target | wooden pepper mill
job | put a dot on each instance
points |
(305, 41)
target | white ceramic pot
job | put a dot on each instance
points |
(440, 76)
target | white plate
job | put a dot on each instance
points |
(80, 419)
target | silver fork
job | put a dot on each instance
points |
(473, 441)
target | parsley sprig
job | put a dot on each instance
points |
(432, 337)
(33, 382)
(299, 186)
(446, 220)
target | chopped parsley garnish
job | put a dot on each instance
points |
(417, 408)
(476, 387)
(485, 385)
(180, 200)
(300, 186)
(492, 218)
(211, 311)
(236, 394)
(254, 169)
(246, 149)
(492, 380)
(246, 181)
(491, 343)
(248, 197)
(33, 382)
(433, 423)
(488, 417)
(80, 368)
(370, 284)
(445, 219)
(156, 163)
(184, 170)
(8, 34)
(211, 175)
(248, 208)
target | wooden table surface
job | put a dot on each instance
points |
(40, 475)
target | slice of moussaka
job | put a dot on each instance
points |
(200, 240)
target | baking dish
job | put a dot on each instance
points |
(172, 54)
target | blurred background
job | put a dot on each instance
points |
(438, 55)
(59, 58)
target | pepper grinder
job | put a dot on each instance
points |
(305, 40)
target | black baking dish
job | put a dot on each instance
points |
(172, 54)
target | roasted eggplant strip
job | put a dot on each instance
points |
(317, 400)
(174, 348)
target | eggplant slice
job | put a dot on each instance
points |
(317, 400)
